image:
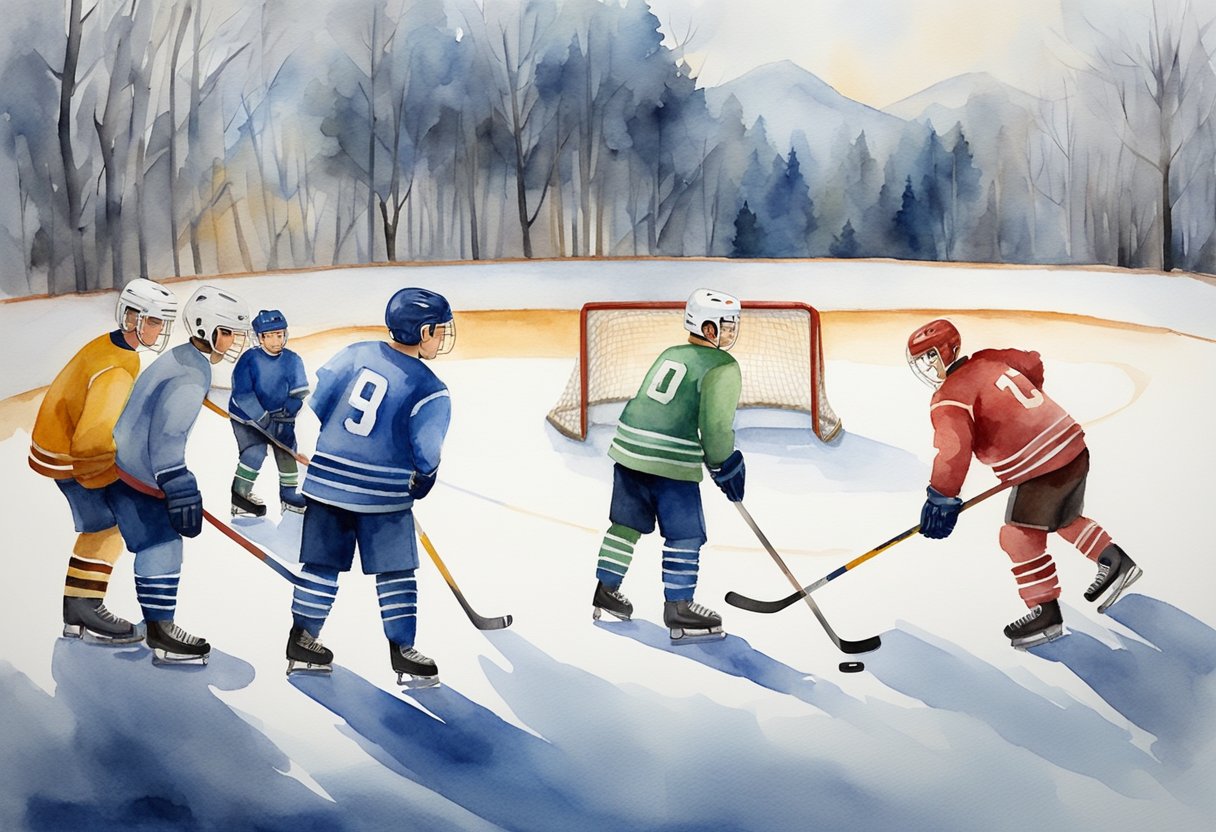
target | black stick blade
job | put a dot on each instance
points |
(866, 645)
(755, 605)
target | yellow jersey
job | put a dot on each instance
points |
(74, 432)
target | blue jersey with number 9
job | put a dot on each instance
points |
(384, 415)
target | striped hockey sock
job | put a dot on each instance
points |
(616, 553)
(157, 595)
(289, 470)
(1033, 569)
(398, 594)
(313, 598)
(1089, 538)
(92, 561)
(242, 482)
(680, 565)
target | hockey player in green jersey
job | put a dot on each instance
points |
(681, 420)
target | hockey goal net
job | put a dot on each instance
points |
(779, 350)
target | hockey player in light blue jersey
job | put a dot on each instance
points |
(269, 386)
(384, 415)
(156, 498)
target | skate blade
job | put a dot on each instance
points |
(92, 637)
(240, 512)
(1128, 578)
(416, 682)
(682, 636)
(286, 509)
(597, 612)
(164, 657)
(308, 667)
(1050, 634)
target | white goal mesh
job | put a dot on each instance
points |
(779, 351)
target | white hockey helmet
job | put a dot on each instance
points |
(718, 308)
(210, 309)
(147, 300)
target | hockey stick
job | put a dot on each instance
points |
(479, 621)
(845, 646)
(754, 605)
(229, 532)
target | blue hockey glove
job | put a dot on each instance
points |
(730, 475)
(184, 501)
(939, 514)
(421, 484)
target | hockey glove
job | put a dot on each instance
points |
(421, 484)
(939, 514)
(730, 475)
(262, 421)
(184, 501)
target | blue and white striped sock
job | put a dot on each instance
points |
(314, 598)
(680, 564)
(398, 593)
(157, 595)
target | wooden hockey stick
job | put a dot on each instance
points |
(754, 605)
(479, 621)
(844, 645)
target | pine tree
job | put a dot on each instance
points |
(749, 236)
(788, 211)
(844, 245)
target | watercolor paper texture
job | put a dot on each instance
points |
(1043, 174)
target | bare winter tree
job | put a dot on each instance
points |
(1153, 75)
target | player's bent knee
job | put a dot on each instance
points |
(1022, 544)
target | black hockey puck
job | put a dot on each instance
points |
(851, 667)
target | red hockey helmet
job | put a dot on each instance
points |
(933, 348)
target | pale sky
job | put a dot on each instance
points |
(875, 51)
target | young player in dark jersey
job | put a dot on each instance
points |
(681, 420)
(384, 415)
(992, 404)
(269, 386)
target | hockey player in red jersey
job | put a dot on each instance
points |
(992, 404)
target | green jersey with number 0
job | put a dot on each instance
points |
(683, 416)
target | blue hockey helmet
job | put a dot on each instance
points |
(412, 309)
(268, 320)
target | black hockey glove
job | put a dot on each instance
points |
(939, 514)
(421, 484)
(184, 501)
(730, 476)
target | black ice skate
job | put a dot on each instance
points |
(307, 655)
(423, 672)
(1116, 572)
(247, 505)
(291, 499)
(611, 601)
(88, 619)
(1039, 626)
(172, 645)
(690, 622)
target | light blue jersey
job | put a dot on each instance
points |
(152, 431)
(263, 383)
(384, 415)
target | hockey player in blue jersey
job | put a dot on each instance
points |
(269, 386)
(156, 498)
(384, 415)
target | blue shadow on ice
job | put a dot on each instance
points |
(1066, 733)
(1165, 686)
(123, 745)
(461, 750)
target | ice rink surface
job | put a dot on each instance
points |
(562, 723)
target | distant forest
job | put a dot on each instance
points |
(212, 136)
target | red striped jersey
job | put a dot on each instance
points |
(992, 404)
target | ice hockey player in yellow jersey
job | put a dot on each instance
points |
(73, 444)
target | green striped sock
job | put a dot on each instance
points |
(616, 553)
